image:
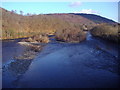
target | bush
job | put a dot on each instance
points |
(106, 31)
(70, 35)
(42, 38)
(8, 33)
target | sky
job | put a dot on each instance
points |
(105, 9)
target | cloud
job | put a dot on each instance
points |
(87, 11)
(75, 4)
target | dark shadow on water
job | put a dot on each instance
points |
(19, 66)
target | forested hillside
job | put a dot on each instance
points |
(17, 26)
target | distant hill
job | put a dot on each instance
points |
(17, 26)
(73, 18)
(96, 18)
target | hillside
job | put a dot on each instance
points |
(74, 19)
(18, 26)
(96, 18)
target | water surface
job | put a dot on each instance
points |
(90, 64)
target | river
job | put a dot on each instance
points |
(92, 63)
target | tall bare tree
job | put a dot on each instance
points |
(21, 12)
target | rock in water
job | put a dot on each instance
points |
(29, 53)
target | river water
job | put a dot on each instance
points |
(92, 63)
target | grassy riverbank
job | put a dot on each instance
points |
(107, 32)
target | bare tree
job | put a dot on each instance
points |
(14, 11)
(21, 12)
(29, 14)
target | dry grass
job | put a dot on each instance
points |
(70, 35)
(106, 31)
(40, 38)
